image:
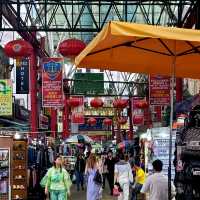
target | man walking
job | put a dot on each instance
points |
(110, 165)
(157, 184)
(79, 171)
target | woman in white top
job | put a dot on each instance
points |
(123, 176)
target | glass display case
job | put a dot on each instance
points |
(5, 192)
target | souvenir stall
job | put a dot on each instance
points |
(13, 166)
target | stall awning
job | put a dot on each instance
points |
(14, 123)
(138, 48)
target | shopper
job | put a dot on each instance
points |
(157, 184)
(79, 172)
(93, 189)
(139, 180)
(58, 181)
(103, 168)
(110, 165)
(123, 177)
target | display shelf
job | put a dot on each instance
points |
(19, 187)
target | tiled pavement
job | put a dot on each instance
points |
(81, 195)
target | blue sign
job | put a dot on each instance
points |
(53, 69)
(22, 76)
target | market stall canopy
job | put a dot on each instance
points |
(77, 138)
(148, 49)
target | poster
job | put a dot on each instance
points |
(5, 98)
(159, 90)
(52, 90)
(22, 76)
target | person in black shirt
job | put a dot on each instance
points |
(110, 164)
(79, 171)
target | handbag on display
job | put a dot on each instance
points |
(98, 178)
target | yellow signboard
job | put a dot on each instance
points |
(5, 98)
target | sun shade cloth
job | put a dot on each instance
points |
(138, 48)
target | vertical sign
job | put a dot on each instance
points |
(137, 114)
(22, 76)
(52, 91)
(5, 98)
(159, 90)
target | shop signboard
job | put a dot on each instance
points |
(5, 98)
(98, 127)
(22, 113)
(52, 90)
(161, 147)
(43, 122)
(22, 76)
(88, 83)
(159, 90)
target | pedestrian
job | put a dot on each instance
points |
(103, 168)
(157, 184)
(79, 172)
(110, 165)
(139, 180)
(93, 189)
(123, 176)
(58, 181)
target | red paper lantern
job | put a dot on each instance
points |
(96, 103)
(138, 119)
(122, 120)
(142, 104)
(74, 102)
(107, 122)
(71, 47)
(77, 118)
(120, 103)
(92, 121)
(18, 48)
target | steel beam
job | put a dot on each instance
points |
(100, 11)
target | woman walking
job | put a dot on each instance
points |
(93, 189)
(58, 181)
(123, 177)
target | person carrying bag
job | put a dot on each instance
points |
(58, 181)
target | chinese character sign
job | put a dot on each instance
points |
(159, 90)
(5, 98)
(22, 76)
(52, 91)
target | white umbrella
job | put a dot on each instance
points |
(76, 138)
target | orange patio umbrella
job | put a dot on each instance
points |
(148, 49)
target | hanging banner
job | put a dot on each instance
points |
(52, 90)
(22, 76)
(5, 98)
(159, 90)
(137, 114)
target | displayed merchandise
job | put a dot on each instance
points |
(187, 158)
(19, 166)
(4, 174)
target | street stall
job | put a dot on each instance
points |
(148, 49)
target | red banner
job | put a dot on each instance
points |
(137, 114)
(159, 90)
(52, 91)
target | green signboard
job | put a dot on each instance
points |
(88, 83)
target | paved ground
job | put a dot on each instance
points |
(81, 195)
